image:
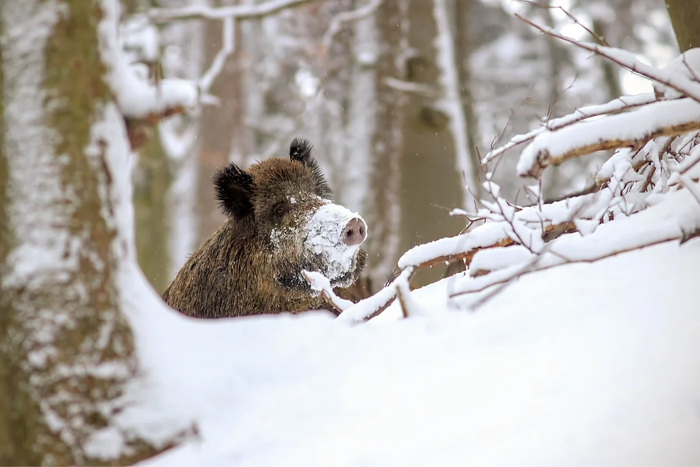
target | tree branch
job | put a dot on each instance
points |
(618, 105)
(235, 11)
(626, 60)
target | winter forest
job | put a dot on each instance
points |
(504, 272)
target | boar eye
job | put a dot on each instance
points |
(280, 209)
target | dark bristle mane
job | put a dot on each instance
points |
(234, 188)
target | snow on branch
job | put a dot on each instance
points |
(320, 283)
(618, 105)
(142, 102)
(632, 129)
(550, 221)
(235, 11)
(372, 306)
(669, 220)
(625, 59)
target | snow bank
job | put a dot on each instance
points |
(581, 364)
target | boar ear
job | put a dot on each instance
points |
(300, 150)
(234, 188)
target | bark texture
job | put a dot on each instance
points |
(66, 348)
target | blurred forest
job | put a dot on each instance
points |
(399, 98)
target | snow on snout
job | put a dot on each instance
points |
(325, 238)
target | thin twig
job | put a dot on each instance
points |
(626, 60)
(600, 39)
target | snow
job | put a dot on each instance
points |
(367, 307)
(583, 113)
(489, 234)
(585, 364)
(320, 283)
(325, 229)
(499, 258)
(589, 359)
(140, 36)
(135, 95)
(677, 213)
(34, 177)
(686, 65)
(635, 125)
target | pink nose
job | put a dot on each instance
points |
(354, 232)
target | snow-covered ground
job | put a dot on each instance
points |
(580, 364)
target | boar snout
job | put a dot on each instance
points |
(354, 232)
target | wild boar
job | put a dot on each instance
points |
(280, 221)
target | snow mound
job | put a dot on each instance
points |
(581, 364)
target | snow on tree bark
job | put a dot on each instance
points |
(66, 347)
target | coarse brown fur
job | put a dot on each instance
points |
(243, 269)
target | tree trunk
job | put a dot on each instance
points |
(685, 18)
(66, 347)
(430, 183)
(384, 205)
(464, 46)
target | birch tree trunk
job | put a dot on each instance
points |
(66, 347)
